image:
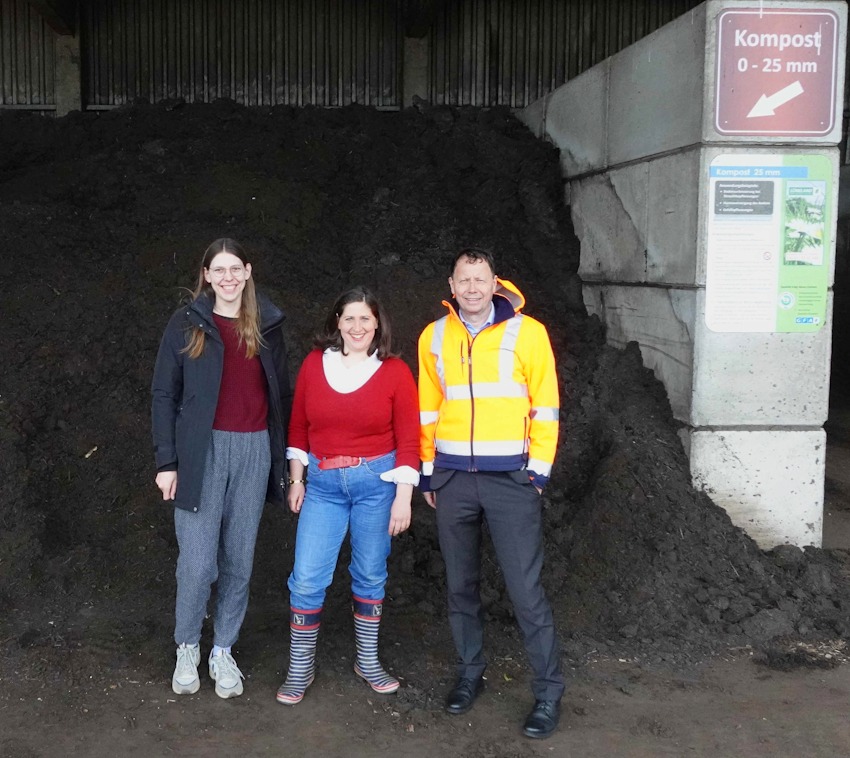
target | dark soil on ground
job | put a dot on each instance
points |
(105, 218)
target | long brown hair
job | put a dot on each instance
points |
(248, 321)
(330, 336)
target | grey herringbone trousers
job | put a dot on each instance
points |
(217, 542)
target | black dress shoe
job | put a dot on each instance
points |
(543, 719)
(462, 697)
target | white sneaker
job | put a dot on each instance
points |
(185, 680)
(226, 675)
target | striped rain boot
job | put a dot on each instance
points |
(367, 622)
(303, 633)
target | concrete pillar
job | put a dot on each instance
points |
(415, 83)
(68, 75)
(665, 243)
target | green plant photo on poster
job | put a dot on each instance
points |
(804, 223)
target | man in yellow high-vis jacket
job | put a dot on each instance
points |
(488, 402)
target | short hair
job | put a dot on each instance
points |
(474, 254)
(330, 336)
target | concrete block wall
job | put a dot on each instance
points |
(661, 321)
(639, 222)
(68, 74)
(636, 137)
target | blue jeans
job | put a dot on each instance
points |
(336, 500)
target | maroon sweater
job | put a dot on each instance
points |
(243, 396)
(379, 417)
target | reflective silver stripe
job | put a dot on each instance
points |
(486, 389)
(428, 417)
(437, 349)
(507, 348)
(506, 447)
(538, 466)
(458, 392)
(542, 413)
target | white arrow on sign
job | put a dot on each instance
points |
(766, 106)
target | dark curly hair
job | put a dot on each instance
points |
(330, 336)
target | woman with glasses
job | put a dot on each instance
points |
(221, 394)
(353, 463)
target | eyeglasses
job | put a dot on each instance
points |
(219, 272)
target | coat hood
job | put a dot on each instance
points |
(270, 315)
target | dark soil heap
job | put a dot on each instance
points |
(105, 218)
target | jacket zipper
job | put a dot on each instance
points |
(472, 466)
(274, 403)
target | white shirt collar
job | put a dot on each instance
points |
(345, 379)
(473, 330)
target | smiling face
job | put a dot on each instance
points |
(473, 286)
(227, 276)
(357, 326)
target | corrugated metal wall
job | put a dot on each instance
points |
(26, 58)
(319, 52)
(257, 52)
(512, 52)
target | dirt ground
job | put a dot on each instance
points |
(679, 636)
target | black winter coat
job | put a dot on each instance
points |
(185, 396)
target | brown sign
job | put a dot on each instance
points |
(777, 72)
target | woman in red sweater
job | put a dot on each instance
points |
(353, 463)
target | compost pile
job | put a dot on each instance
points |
(105, 217)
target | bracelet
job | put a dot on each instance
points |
(298, 481)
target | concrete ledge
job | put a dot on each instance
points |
(770, 482)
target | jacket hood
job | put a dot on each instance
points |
(511, 292)
(270, 315)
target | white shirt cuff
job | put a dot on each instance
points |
(402, 475)
(297, 454)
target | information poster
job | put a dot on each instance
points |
(769, 246)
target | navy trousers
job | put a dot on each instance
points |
(513, 510)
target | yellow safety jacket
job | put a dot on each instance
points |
(489, 402)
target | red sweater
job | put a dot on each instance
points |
(380, 416)
(243, 395)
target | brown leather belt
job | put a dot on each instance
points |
(345, 461)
